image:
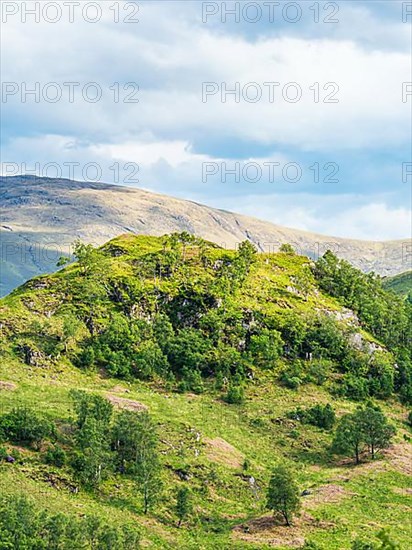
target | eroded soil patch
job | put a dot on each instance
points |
(127, 404)
(219, 450)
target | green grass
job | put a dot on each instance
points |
(258, 430)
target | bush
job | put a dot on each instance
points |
(235, 395)
(292, 376)
(192, 381)
(55, 456)
(23, 425)
(322, 416)
(410, 418)
(354, 387)
(3, 453)
(317, 371)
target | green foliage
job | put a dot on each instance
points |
(177, 313)
(399, 284)
(366, 427)
(183, 504)
(287, 248)
(235, 394)
(385, 543)
(93, 406)
(146, 465)
(24, 527)
(266, 348)
(322, 416)
(24, 425)
(386, 316)
(283, 494)
(375, 428)
(55, 456)
(292, 375)
(135, 441)
(93, 458)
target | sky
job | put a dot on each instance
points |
(298, 113)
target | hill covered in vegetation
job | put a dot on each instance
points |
(160, 384)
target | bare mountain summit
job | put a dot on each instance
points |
(41, 217)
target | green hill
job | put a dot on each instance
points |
(225, 361)
(400, 284)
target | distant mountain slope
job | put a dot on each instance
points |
(400, 284)
(41, 217)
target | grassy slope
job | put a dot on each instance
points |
(345, 501)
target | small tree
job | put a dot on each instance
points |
(235, 394)
(376, 430)
(183, 504)
(287, 248)
(348, 438)
(89, 405)
(135, 441)
(367, 426)
(283, 494)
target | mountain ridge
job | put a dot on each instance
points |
(40, 218)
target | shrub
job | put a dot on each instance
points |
(235, 395)
(292, 376)
(322, 416)
(317, 371)
(56, 456)
(24, 526)
(354, 387)
(23, 425)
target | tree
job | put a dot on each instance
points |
(367, 426)
(376, 430)
(23, 526)
(349, 438)
(91, 405)
(147, 465)
(287, 248)
(283, 494)
(71, 326)
(135, 441)
(303, 282)
(93, 458)
(183, 504)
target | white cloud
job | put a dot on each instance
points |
(349, 216)
(170, 67)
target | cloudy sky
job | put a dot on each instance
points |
(295, 112)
